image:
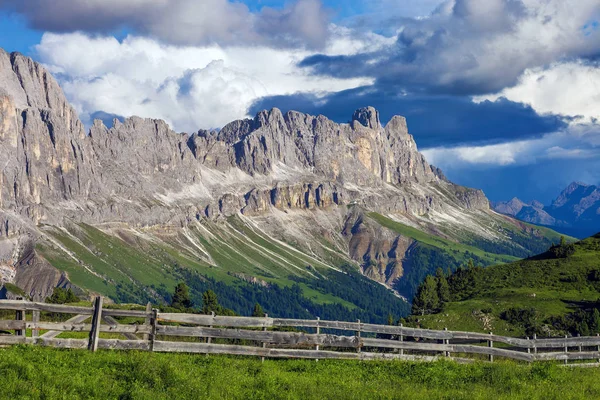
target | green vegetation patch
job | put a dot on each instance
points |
(42, 373)
(558, 291)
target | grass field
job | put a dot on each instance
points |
(39, 373)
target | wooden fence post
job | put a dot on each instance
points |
(529, 347)
(579, 347)
(35, 318)
(401, 338)
(491, 346)
(264, 345)
(446, 341)
(358, 337)
(566, 349)
(154, 322)
(20, 316)
(148, 320)
(598, 335)
(209, 339)
(318, 333)
(96, 321)
(534, 344)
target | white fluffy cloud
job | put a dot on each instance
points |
(189, 87)
(579, 141)
(570, 89)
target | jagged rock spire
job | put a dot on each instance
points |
(367, 117)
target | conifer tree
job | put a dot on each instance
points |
(390, 319)
(442, 286)
(258, 311)
(595, 321)
(210, 303)
(181, 297)
(426, 301)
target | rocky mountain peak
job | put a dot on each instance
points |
(572, 194)
(273, 159)
(367, 117)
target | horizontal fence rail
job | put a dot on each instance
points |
(98, 327)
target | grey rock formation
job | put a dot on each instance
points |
(380, 251)
(142, 174)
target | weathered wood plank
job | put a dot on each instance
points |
(208, 320)
(114, 326)
(66, 309)
(75, 320)
(59, 343)
(81, 327)
(126, 313)
(96, 321)
(30, 306)
(278, 338)
(11, 325)
(10, 340)
(115, 344)
(568, 342)
(584, 355)
(515, 355)
(60, 327)
(35, 317)
(205, 348)
(311, 323)
(148, 319)
(395, 344)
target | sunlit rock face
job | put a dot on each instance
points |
(142, 174)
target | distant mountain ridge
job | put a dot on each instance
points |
(576, 210)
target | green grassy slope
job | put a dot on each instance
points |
(557, 294)
(139, 266)
(433, 251)
(39, 373)
(461, 252)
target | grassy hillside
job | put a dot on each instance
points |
(244, 264)
(241, 265)
(550, 294)
(38, 373)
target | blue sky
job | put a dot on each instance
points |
(15, 35)
(502, 94)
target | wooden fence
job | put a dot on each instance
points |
(151, 330)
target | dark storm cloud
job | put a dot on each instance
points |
(302, 23)
(471, 47)
(433, 120)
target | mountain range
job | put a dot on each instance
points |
(129, 210)
(575, 211)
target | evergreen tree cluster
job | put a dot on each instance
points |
(373, 302)
(432, 294)
(62, 296)
(582, 322)
(563, 250)
(424, 260)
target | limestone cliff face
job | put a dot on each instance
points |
(142, 173)
(380, 252)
